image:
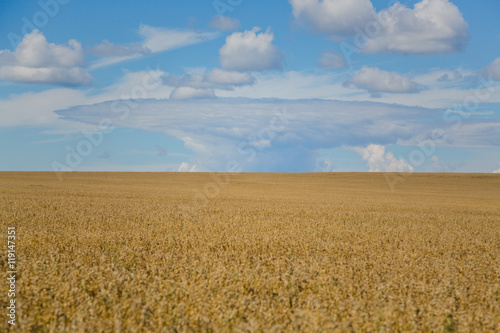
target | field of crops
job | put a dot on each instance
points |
(183, 252)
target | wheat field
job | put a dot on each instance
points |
(329, 252)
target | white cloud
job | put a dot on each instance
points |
(224, 23)
(107, 49)
(190, 93)
(432, 26)
(332, 60)
(250, 51)
(185, 167)
(35, 51)
(380, 160)
(333, 17)
(493, 70)
(158, 40)
(38, 62)
(375, 80)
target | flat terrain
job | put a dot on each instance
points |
(182, 252)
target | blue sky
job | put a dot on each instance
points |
(274, 86)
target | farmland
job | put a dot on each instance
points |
(146, 252)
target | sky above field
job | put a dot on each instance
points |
(240, 85)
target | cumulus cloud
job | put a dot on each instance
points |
(185, 167)
(376, 80)
(251, 51)
(214, 79)
(224, 23)
(432, 26)
(333, 17)
(332, 60)
(37, 61)
(191, 93)
(107, 49)
(155, 40)
(380, 160)
(493, 70)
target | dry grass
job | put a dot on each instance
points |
(272, 252)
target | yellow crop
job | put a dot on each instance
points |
(132, 252)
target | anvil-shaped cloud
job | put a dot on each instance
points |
(286, 135)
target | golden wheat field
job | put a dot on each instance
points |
(145, 252)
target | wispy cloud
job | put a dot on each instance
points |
(155, 40)
(107, 49)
